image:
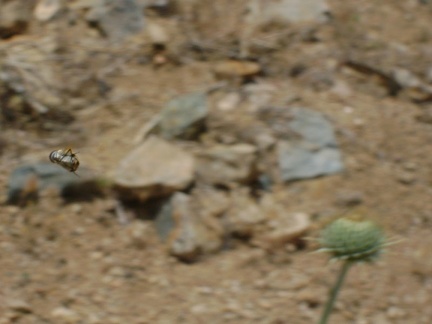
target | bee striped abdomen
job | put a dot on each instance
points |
(65, 158)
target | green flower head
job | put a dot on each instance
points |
(353, 239)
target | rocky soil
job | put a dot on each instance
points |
(214, 139)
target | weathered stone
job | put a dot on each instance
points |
(283, 228)
(312, 126)
(117, 19)
(27, 181)
(155, 168)
(183, 117)
(191, 236)
(227, 164)
(302, 162)
(312, 150)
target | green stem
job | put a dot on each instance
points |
(334, 292)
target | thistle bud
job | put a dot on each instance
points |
(353, 239)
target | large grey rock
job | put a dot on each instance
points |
(26, 183)
(183, 117)
(155, 168)
(117, 19)
(313, 151)
(224, 164)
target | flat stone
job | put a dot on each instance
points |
(153, 169)
(283, 229)
(232, 68)
(28, 181)
(302, 162)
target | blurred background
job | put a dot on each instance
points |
(214, 138)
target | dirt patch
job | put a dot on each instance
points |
(75, 263)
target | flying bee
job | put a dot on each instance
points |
(65, 158)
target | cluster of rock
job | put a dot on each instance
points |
(209, 159)
(216, 178)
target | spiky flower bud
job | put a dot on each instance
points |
(353, 239)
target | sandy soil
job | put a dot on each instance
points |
(74, 263)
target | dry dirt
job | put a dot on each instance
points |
(74, 263)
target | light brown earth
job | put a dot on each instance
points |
(74, 263)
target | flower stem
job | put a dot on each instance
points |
(334, 292)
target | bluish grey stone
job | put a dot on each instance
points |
(26, 181)
(300, 162)
(313, 152)
(164, 221)
(183, 117)
(117, 19)
(312, 126)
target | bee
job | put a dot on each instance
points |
(65, 158)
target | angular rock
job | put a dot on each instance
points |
(27, 181)
(302, 161)
(227, 164)
(117, 19)
(312, 151)
(183, 117)
(191, 236)
(312, 126)
(155, 168)
(283, 228)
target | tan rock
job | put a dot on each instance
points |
(233, 68)
(227, 164)
(245, 215)
(155, 168)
